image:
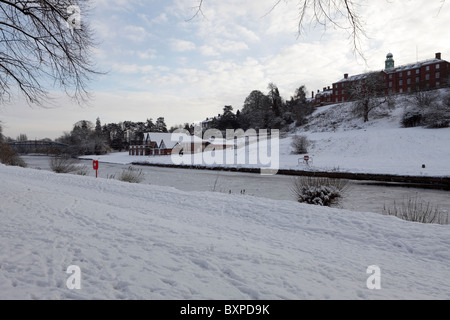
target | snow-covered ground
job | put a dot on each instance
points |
(138, 241)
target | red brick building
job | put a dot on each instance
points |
(424, 75)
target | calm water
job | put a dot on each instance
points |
(361, 196)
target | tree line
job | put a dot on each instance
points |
(266, 111)
(87, 138)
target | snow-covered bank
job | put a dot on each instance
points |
(149, 242)
(394, 151)
(342, 142)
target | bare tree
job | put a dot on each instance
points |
(45, 44)
(368, 93)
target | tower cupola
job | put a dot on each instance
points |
(390, 63)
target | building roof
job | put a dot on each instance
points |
(406, 67)
(355, 78)
(159, 138)
(412, 66)
(327, 92)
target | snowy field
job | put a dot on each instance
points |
(138, 241)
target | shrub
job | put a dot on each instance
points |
(300, 144)
(411, 119)
(9, 157)
(131, 175)
(319, 191)
(82, 171)
(63, 164)
(438, 116)
(415, 210)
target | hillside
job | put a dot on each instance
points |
(341, 141)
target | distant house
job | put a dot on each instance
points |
(162, 144)
(154, 144)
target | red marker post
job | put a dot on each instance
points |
(95, 165)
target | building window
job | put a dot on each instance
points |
(437, 66)
(417, 71)
(438, 75)
(428, 68)
(417, 79)
(401, 90)
(390, 84)
(427, 77)
(409, 81)
(409, 73)
(401, 74)
(438, 84)
(400, 83)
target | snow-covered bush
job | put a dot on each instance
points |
(428, 110)
(63, 164)
(131, 175)
(300, 144)
(319, 191)
(412, 118)
(415, 210)
(438, 116)
(9, 157)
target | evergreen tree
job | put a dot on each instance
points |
(256, 111)
(227, 120)
(299, 107)
(160, 125)
(98, 127)
(275, 100)
(149, 126)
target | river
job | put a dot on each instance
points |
(360, 196)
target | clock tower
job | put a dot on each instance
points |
(389, 61)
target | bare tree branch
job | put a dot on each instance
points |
(323, 13)
(40, 51)
(198, 11)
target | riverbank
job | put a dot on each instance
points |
(442, 183)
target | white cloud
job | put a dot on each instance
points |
(179, 45)
(135, 33)
(133, 69)
(209, 51)
(147, 54)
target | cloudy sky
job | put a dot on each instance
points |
(161, 63)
